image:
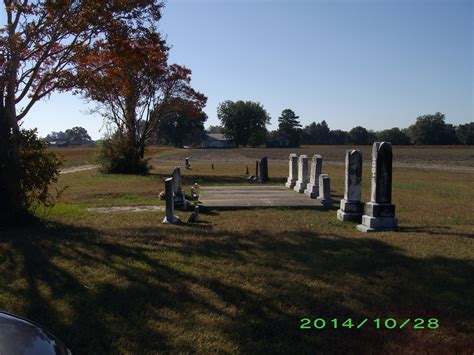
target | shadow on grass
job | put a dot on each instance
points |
(436, 230)
(154, 286)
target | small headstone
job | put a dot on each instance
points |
(169, 196)
(194, 218)
(316, 168)
(293, 171)
(188, 166)
(302, 181)
(263, 171)
(379, 213)
(179, 196)
(351, 208)
(325, 191)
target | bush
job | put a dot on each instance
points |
(117, 157)
(38, 169)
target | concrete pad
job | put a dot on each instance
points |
(126, 209)
(254, 196)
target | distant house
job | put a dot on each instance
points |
(59, 144)
(216, 140)
(279, 142)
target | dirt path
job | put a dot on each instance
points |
(76, 169)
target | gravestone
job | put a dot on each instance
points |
(293, 171)
(169, 197)
(351, 208)
(186, 161)
(302, 181)
(179, 197)
(263, 170)
(312, 190)
(379, 213)
(325, 191)
(194, 218)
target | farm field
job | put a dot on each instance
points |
(460, 158)
(77, 156)
(242, 280)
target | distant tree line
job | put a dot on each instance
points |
(75, 135)
(428, 129)
(245, 122)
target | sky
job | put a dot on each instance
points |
(377, 64)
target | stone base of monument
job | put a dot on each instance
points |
(378, 217)
(350, 211)
(173, 220)
(349, 217)
(377, 224)
(327, 203)
(312, 191)
(290, 183)
(300, 186)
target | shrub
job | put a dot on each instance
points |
(117, 157)
(38, 169)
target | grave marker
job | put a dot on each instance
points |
(379, 213)
(351, 209)
(293, 171)
(312, 190)
(325, 191)
(302, 181)
(170, 217)
(263, 170)
(179, 196)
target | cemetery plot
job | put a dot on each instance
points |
(254, 196)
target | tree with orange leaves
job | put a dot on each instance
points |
(129, 76)
(40, 46)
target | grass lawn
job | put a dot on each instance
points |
(242, 281)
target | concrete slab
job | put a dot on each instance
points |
(126, 209)
(254, 196)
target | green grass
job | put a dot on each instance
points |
(241, 281)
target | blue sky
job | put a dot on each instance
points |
(377, 64)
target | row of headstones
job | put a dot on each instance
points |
(376, 215)
(175, 196)
(315, 184)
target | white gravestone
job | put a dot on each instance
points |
(302, 181)
(170, 218)
(316, 168)
(351, 209)
(379, 213)
(293, 171)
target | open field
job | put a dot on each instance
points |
(77, 156)
(241, 281)
(459, 158)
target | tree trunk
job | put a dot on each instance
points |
(12, 204)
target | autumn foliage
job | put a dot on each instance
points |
(108, 50)
(128, 75)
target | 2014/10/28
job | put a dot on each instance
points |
(388, 323)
